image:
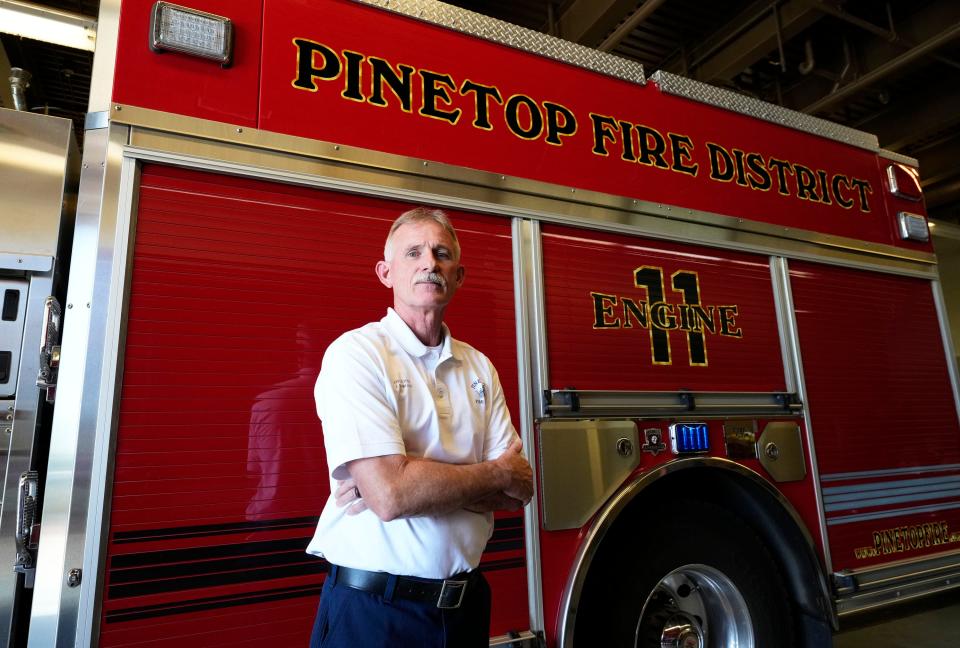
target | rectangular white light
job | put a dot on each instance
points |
(181, 29)
(48, 25)
(913, 227)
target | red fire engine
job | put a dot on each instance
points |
(718, 324)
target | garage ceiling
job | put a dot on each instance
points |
(891, 68)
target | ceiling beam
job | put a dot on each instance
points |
(588, 21)
(633, 21)
(887, 34)
(939, 162)
(923, 113)
(891, 66)
(871, 52)
(746, 39)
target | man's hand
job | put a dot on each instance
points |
(347, 493)
(517, 472)
(396, 486)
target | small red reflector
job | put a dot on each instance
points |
(904, 182)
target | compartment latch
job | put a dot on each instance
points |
(50, 348)
(28, 530)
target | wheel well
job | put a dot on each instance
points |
(772, 520)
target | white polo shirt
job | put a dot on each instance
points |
(380, 392)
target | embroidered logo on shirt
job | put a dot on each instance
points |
(480, 390)
(401, 386)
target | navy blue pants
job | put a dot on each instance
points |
(349, 618)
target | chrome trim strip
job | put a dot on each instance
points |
(790, 342)
(877, 587)
(104, 57)
(206, 140)
(840, 493)
(784, 312)
(914, 470)
(947, 339)
(79, 415)
(566, 403)
(102, 460)
(531, 528)
(736, 102)
(504, 33)
(569, 601)
(536, 315)
(880, 515)
(860, 502)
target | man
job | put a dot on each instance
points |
(421, 450)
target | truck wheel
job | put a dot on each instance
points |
(701, 578)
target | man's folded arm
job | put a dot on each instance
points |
(396, 486)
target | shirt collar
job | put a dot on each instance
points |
(409, 341)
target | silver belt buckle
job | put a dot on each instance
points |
(451, 594)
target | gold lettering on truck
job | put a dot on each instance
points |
(660, 317)
(907, 538)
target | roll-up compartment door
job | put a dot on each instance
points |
(627, 313)
(883, 413)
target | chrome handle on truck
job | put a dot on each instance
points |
(50, 348)
(579, 403)
(27, 528)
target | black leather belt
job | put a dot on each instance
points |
(445, 594)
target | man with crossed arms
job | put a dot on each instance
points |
(421, 451)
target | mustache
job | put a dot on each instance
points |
(431, 277)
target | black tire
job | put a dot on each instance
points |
(703, 546)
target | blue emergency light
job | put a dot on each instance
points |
(686, 438)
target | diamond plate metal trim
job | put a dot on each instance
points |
(899, 157)
(505, 33)
(729, 100)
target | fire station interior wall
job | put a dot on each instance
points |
(237, 288)
(946, 241)
(882, 411)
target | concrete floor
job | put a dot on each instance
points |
(931, 622)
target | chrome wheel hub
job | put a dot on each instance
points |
(695, 606)
(681, 631)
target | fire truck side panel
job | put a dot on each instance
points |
(186, 85)
(341, 105)
(237, 288)
(883, 414)
(715, 325)
(599, 293)
(236, 285)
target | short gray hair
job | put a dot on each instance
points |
(420, 215)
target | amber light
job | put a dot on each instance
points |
(904, 182)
